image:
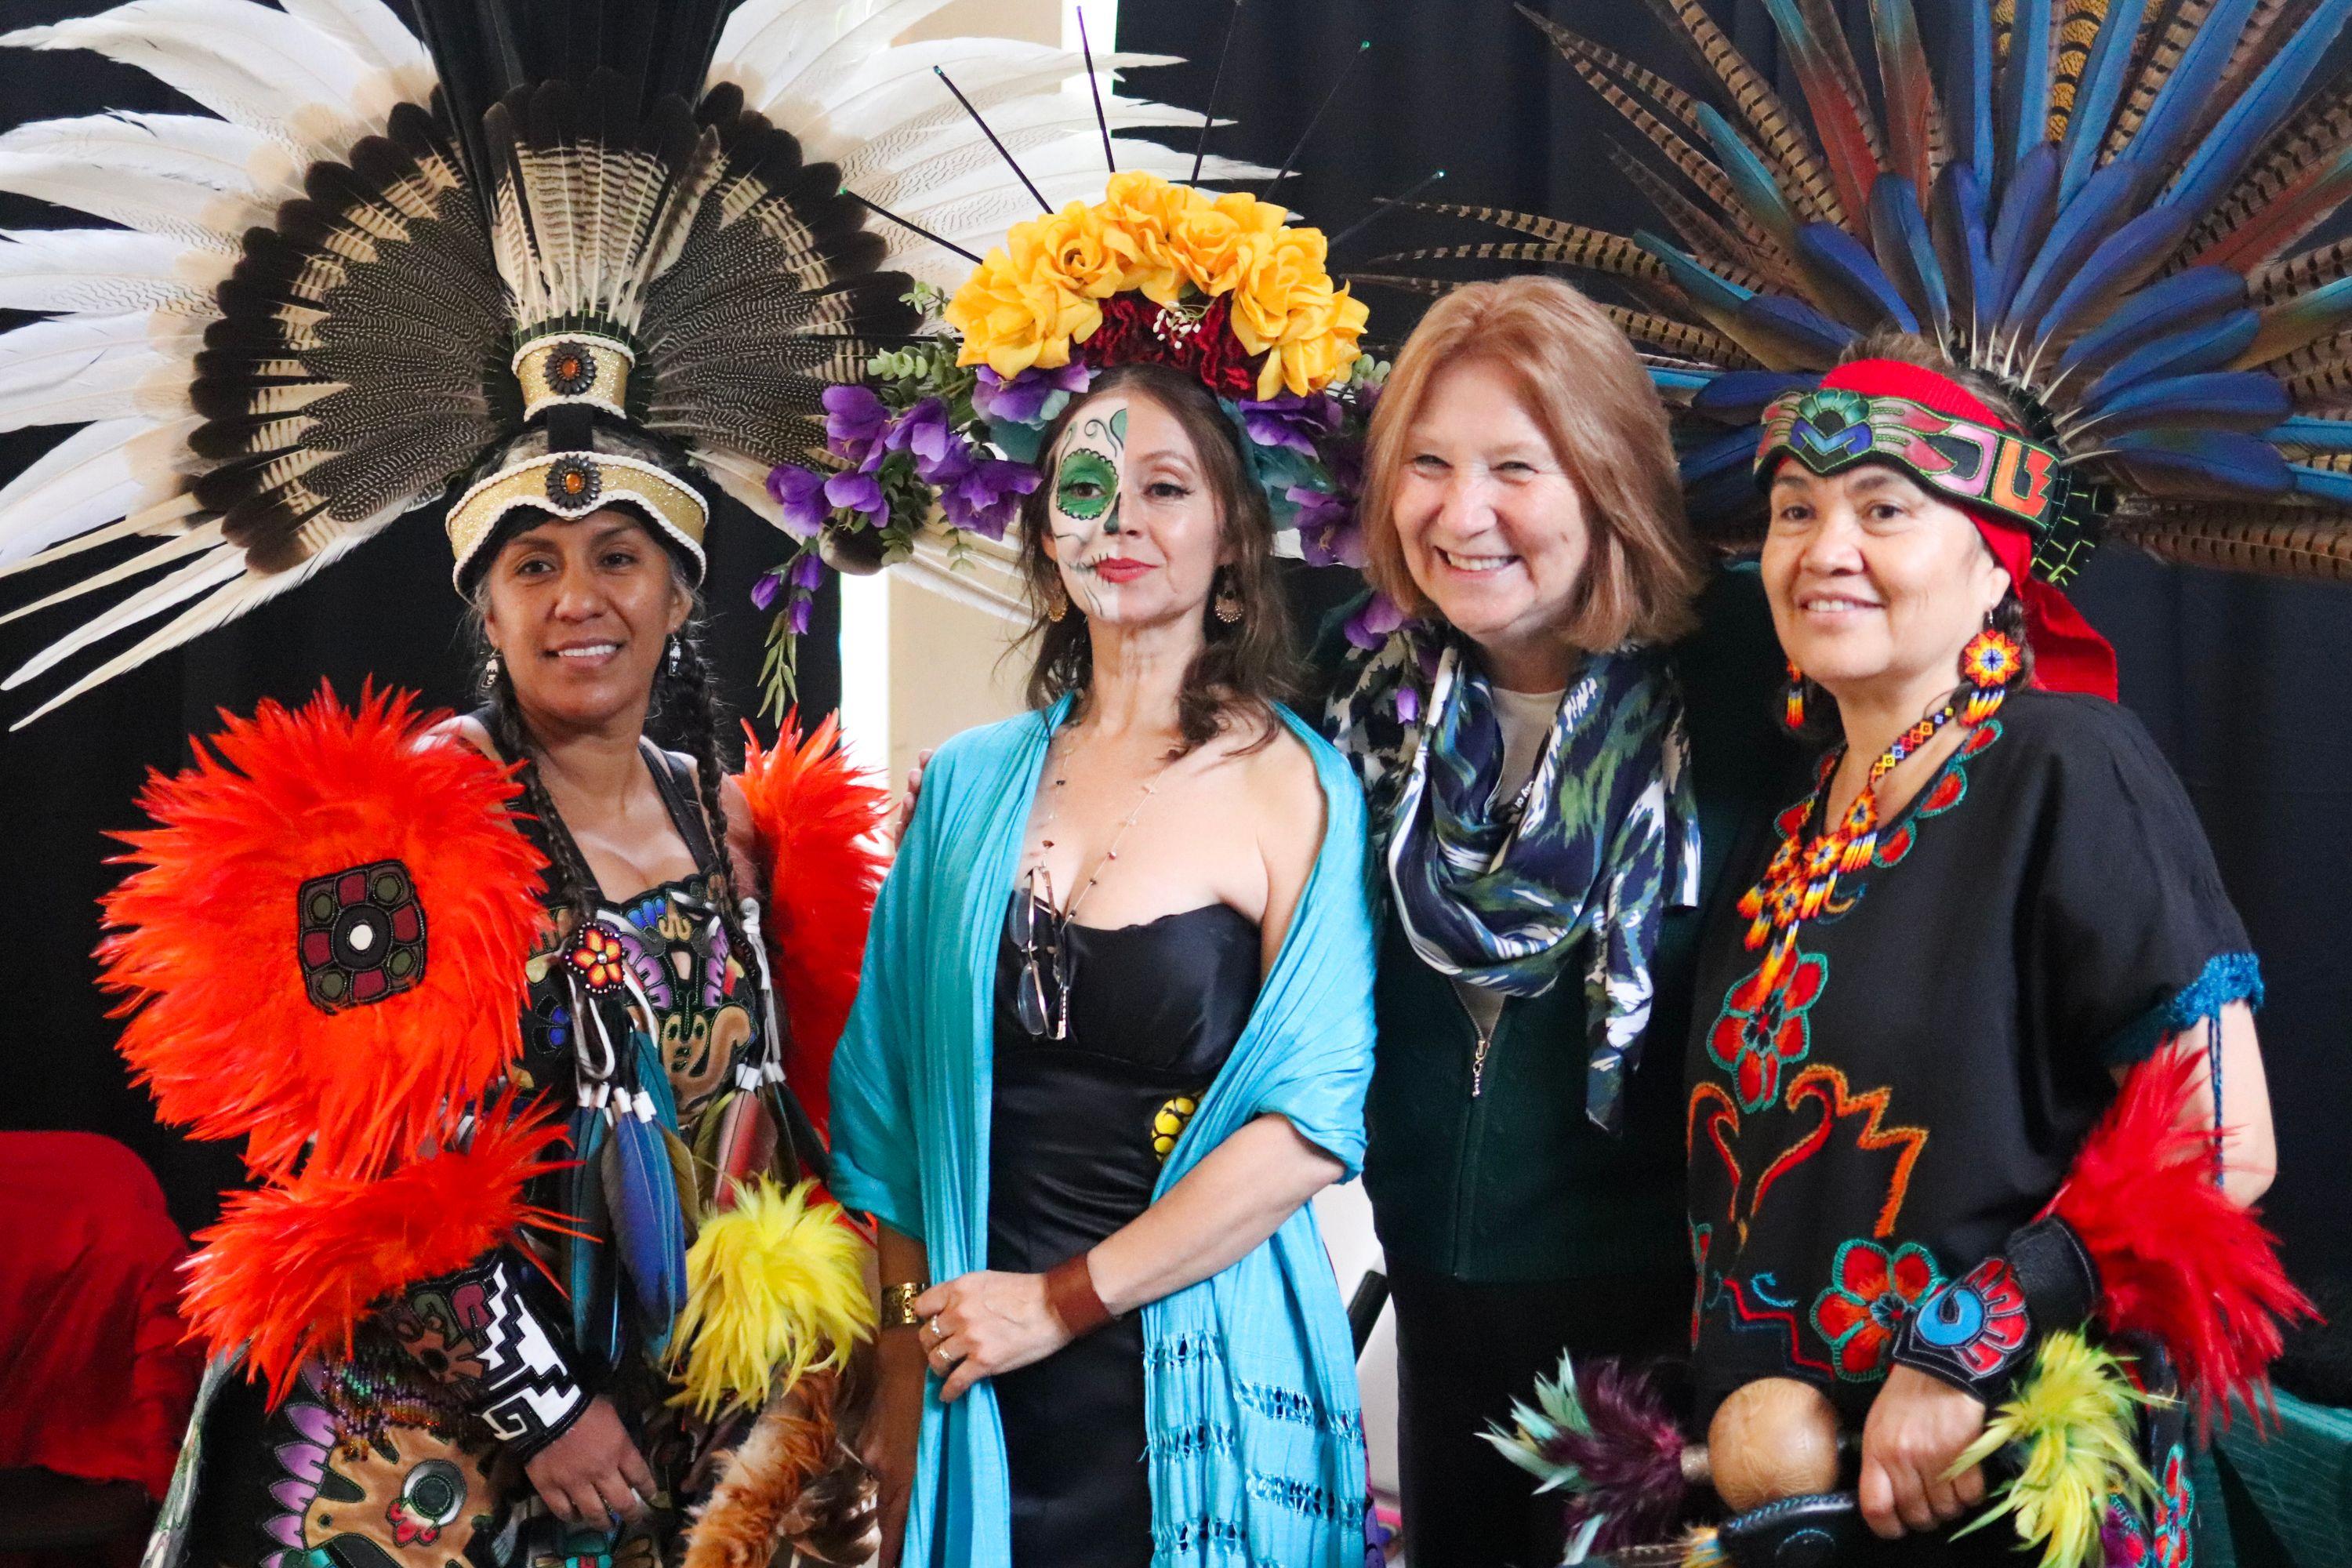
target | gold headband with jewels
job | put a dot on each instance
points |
(574, 367)
(573, 484)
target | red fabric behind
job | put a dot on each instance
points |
(95, 1380)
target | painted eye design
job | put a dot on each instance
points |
(1085, 485)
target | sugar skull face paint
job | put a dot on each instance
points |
(1135, 528)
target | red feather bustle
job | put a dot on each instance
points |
(205, 940)
(2176, 1258)
(818, 816)
(290, 1269)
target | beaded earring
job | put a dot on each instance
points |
(1989, 664)
(674, 657)
(1793, 712)
(1057, 601)
(490, 671)
(1228, 604)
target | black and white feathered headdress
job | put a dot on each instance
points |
(558, 254)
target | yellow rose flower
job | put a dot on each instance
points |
(1011, 316)
(1139, 211)
(1219, 239)
(1318, 342)
(1286, 267)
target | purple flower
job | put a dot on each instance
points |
(922, 430)
(1370, 626)
(808, 571)
(983, 499)
(801, 492)
(856, 491)
(1408, 704)
(1290, 421)
(854, 417)
(764, 590)
(797, 616)
(1328, 535)
(1022, 400)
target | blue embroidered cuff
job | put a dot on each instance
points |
(2227, 977)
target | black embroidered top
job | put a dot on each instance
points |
(2043, 910)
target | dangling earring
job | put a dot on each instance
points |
(674, 657)
(1989, 665)
(1228, 604)
(1792, 710)
(489, 680)
(1058, 600)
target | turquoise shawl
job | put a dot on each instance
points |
(1256, 1441)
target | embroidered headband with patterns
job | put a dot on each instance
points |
(1830, 429)
(573, 484)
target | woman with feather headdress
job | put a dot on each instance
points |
(2054, 301)
(585, 270)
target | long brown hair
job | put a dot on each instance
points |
(1584, 386)
(1245, 666)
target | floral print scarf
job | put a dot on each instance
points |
(1503, 893)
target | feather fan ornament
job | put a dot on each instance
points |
(817, 816)
(322, 947)
(289, 1270)
(775, 1290)
(2036, 212)
(2073, 1427)
(2177, 1259)
(322, 308)
(1605, 1439)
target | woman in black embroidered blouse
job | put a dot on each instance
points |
(1952, 953)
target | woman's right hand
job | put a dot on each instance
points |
(592, 1472)
(892, 1429)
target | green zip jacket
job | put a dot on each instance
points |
(1492, 1172)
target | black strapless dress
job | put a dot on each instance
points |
(1079, 1129)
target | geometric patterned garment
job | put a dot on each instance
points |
(395, 1457)
(2043, 911)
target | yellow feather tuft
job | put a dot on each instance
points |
(775, 1286)
(2072, 1423)
(1701, 1549)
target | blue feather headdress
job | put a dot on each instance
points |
(2101, 210)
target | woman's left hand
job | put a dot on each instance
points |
(979, 1325)
(1918, 1426)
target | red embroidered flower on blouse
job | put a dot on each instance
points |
(1870, 1294)
(1761, 1031)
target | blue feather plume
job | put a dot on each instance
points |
(649, 1224)
(1836, 265)
(1741, 397)
(2027, 206)
(1968, 96)
(2258, 111)
(2153, 148)
(1956, 221)
(2207, 345)
(2122, 263)
(2095, 211)
(1898, 230)
(2219, 399)
(2024, 121)
(589, 1272)
(2174, 302)
(2314, 433)
(1750, 179)
(2098, 92)
(2207, 465)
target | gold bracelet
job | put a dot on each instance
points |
(898, 1305)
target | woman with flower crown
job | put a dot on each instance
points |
(1115, 1021)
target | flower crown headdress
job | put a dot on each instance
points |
(1216, 285)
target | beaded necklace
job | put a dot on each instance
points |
(1801, 879)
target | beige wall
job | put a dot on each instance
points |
(947, 669)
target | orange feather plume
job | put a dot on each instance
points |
(289, 1270)
(816, 815)
(2176, 1258)
(259, 1005)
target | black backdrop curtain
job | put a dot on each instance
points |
(385, 611)
(2243, 682)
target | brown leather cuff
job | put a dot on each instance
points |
(1070, 1293)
